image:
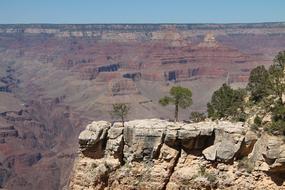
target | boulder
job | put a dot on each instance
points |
(210, 153)
(227, 143)
(269, 154)
(93, 139)
(143, 139)
(171, 136)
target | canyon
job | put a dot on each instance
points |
(55, 79)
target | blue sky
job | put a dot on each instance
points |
(141, 11)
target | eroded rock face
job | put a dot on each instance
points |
(269, 154)
(228, 140)
(92, 140)
(157, 154)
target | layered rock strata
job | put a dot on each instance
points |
(157, 154)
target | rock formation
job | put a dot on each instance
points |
(65, 76)
(157, 154)
(209, 41)
(122, 87)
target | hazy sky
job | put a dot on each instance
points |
(141, 11)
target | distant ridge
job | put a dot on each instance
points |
(151, 25)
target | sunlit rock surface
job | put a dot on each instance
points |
(157, 154)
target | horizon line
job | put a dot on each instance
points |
(150, 23)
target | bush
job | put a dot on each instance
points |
(258, 83)
(277, 128)
(278, 120)
(277, 76)
(197, 116)
(202, 170)
(240, 116)
(278, 112)
(227, 103)
(210, 176)
(256, 123)
(246, 164)
(257, 120)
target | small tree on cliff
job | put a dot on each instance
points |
(227, 102)
(120, 110)
(180, 97)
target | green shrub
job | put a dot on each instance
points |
(240, 116)
(278, 120)
(258, 84)
(277, 76)
(246, 164)
(277, 128)
(197, 116)
(227, 103)
(278, 112)
(257, 120)
(211, 177)
(202, 170)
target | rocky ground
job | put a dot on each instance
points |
(157, 154)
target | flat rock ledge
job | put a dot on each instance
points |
(158, 154)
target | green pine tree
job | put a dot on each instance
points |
(180, 97)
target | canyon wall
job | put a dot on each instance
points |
(54, 79)
(157, 154)
(138, 31)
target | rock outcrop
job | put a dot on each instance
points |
(209, 41)
(157, 154)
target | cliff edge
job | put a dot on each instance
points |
(157, 154)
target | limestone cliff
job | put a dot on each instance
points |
(157, 154)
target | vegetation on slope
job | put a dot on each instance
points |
(263, 97)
